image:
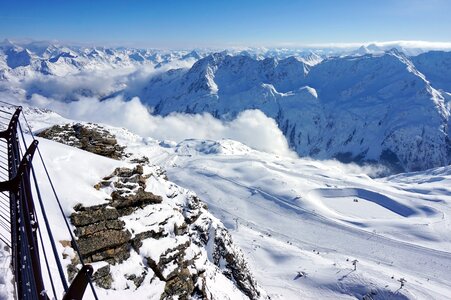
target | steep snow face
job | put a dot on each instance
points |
(380, 107)
(18, 58)
(225, 85)
(361, 108)
(436, 66)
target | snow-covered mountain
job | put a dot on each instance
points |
(436, 66)
(362, 105)
(21, 59)
(354, 108)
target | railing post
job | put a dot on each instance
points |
(10, 135)
(78, 286)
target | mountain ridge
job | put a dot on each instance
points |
(370, 106)
(322, 107)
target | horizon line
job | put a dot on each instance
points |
(408, 44)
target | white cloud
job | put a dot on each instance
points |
(252, 127)
(415, 44)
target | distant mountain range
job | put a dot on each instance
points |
(364, 105)
(18, 60)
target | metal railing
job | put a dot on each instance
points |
(19, 218)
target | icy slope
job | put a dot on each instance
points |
(364, 108)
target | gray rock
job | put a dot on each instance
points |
(91, 216)
(92, 138)
(83, 231)
(102, 277)
(138, 199)
(112, 255)
(103, 240)
(137, 280)
(179, 287)
(137, 240)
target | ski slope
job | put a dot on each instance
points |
(297, 215)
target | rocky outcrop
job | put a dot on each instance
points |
(182, 245)
(89, 137)
(101, 234)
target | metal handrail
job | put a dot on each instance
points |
(26, 263)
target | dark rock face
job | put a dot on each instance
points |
(93, 215)
(106, 240)
(89, 137)
(238, 270)
(214, 236)
(181, 286)
(140, 199)
(101, 235)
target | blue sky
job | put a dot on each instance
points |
(199, 23)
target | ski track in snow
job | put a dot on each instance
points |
(267, 212)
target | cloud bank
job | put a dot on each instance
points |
(252, 127)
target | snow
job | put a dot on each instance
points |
(154, 248)
(287, 214)
(6, 277)
(285, 207)
(291, 215)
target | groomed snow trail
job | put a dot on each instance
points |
(239, 199)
